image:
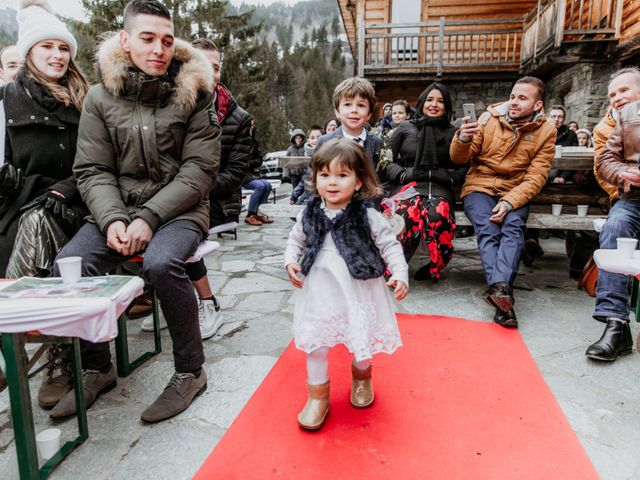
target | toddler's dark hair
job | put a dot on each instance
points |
(351, 155)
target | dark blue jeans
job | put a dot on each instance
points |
(164, 267)
(500, 244)
(612, 299)
(261, 190)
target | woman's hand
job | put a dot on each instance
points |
(293, 269)
(400, 289)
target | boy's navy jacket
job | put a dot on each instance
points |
(372, 144)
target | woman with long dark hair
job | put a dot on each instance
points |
(421, 160)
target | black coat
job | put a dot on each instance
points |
(234, 164)
(435, 182)
(566, 138)
(40, 140)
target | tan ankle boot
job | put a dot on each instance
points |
(361, 387)
(314, 412)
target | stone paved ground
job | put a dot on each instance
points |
(598, 400)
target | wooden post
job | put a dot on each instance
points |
(619, 7)
(537, 29)
(361, 47)
(440, 46)
(561, 14)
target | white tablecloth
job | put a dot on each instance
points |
(90, 318)
(610, 260)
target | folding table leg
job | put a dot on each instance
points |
(20, 400)
(123, 364)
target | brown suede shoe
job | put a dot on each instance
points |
(94, 383)
(177, 396)
(57, 378)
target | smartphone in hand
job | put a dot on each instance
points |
(469, 110)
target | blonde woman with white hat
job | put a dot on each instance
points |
(40, 207)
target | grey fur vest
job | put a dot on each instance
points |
(351, 233)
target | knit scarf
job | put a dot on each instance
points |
(429, 135)
(43, 97)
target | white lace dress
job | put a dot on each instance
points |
(334, 308)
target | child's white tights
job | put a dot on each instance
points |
(318, 366)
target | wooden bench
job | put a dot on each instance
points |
(545, 221)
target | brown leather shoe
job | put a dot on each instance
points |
(141, 306)
(181, 390)
(252, 220)
(94, 383)
(57, 378)
(317, 407)
(361, 387)
(264, 218)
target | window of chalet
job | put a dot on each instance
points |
(405, 49)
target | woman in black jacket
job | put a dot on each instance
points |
(421, 159)
(40, 206)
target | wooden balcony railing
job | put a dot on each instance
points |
(439, 46)
(561, 21)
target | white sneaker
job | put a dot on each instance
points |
(209, 317)
(147, 322)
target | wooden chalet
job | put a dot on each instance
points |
(400, 45)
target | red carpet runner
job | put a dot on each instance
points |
(460, 400)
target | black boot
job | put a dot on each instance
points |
(616, 340)
(506, 319)
(500, 295)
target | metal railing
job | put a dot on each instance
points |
(570, 20)
(440, 45)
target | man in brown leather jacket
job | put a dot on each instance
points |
(617, 165)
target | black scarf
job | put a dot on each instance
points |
(430, 133)
(39, 94)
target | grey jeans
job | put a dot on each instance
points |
(164, 268)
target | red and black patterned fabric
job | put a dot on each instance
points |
(431, 219)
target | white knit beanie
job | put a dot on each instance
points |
(37, 22)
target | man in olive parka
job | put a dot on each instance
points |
(147, 157)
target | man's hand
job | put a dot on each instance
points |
(139, 233)
(117, 238)
(500, 211)
(467, 130)
(400, 289)
(631, 177)
(558, 180)
(293, 269)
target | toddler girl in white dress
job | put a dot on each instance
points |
(345, 246)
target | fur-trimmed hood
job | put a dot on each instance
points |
(194, 77)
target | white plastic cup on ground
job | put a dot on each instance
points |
(70, 269)
(556, 209)
(626, 246)
(48, 442)
(582, 210)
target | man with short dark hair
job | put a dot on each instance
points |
(10, 63)
(147, 157)
(510, 149)
(617, 166)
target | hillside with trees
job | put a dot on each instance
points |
(280, 62)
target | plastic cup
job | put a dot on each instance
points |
(48, 442)
(582, 210)
(70, 269)
(556, 209)
(626, 246)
